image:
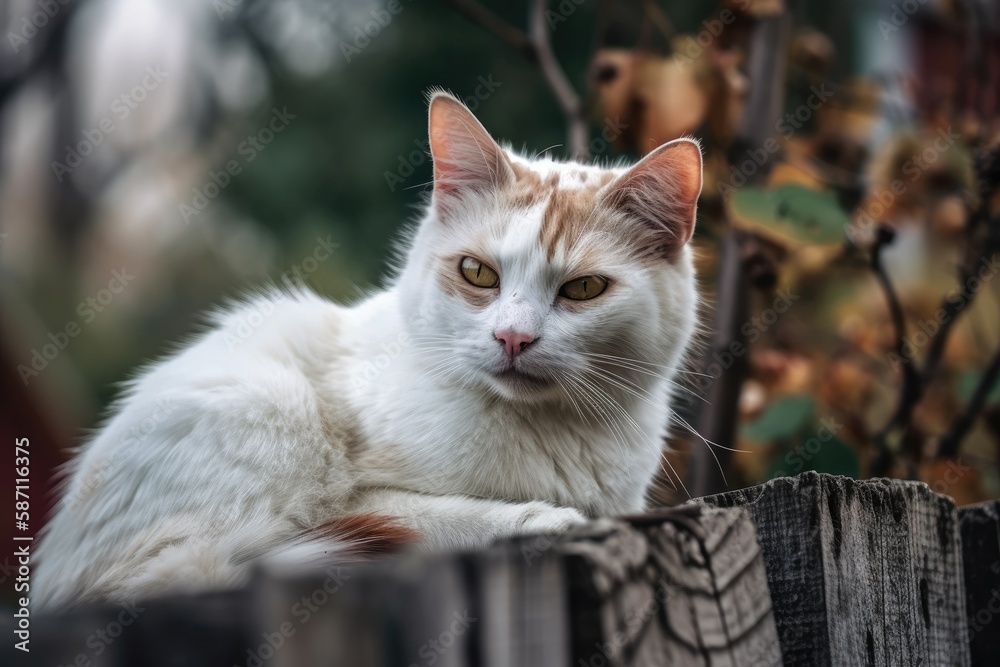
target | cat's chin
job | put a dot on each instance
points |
(517, 385)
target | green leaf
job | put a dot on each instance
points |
(831, 455)
(791, 214)
(834, 456)
(968, 382)
(781, 419)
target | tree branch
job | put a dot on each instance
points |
(536, 47)
(512, 35)
(912, 387)
(952, 442)
(563, 90)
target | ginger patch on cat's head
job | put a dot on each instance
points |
(489, 201)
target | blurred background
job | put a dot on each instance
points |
(160, 157)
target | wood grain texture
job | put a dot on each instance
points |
(862, 572)
(980, 528)
(681, 587)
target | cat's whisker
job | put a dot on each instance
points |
(614, 429)
(663, 460)
(572, 400)
(440, 369)
(546, 150)
(660, 455)
(619, 382)
(669, 381)
(642, 365)
(419, 185)
(677, 419)
(624, 414)
(707, 441)
(648, 401)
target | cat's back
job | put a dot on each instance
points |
(227, 427)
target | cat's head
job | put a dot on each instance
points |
(535, 279)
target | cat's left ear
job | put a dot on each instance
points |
(662, 191)
(466, 158)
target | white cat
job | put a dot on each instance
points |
(514, 378)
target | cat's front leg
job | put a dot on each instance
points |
(450, 522)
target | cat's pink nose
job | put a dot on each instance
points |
(513, 341)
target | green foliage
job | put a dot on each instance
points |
(968, 382)
(782, 419)
(791, 214)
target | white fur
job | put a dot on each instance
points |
(232, 446)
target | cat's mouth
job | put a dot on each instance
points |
(513, 377)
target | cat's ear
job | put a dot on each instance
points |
(662, 191)
(466, 158)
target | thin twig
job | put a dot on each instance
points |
(536, 47)
(563, 90)
(952, 441)
(912, 387)
(512, 35)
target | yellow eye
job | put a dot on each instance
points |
(478, 273)
(584, 288)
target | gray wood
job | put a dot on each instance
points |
(680, 587)
(980, 528)
(862, 572)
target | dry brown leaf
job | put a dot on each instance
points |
(955, 478)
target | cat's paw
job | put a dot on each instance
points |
(540, 518)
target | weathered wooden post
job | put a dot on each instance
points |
(980, 527)
(861, 572)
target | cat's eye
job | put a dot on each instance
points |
(478, 273)
(584, 288)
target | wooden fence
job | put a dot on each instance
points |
(812, 570)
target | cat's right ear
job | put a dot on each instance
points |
(466, 158)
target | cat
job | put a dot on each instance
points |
(514, 378)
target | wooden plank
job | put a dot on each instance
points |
(980, 528)
(863, 572)
(684, 586)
